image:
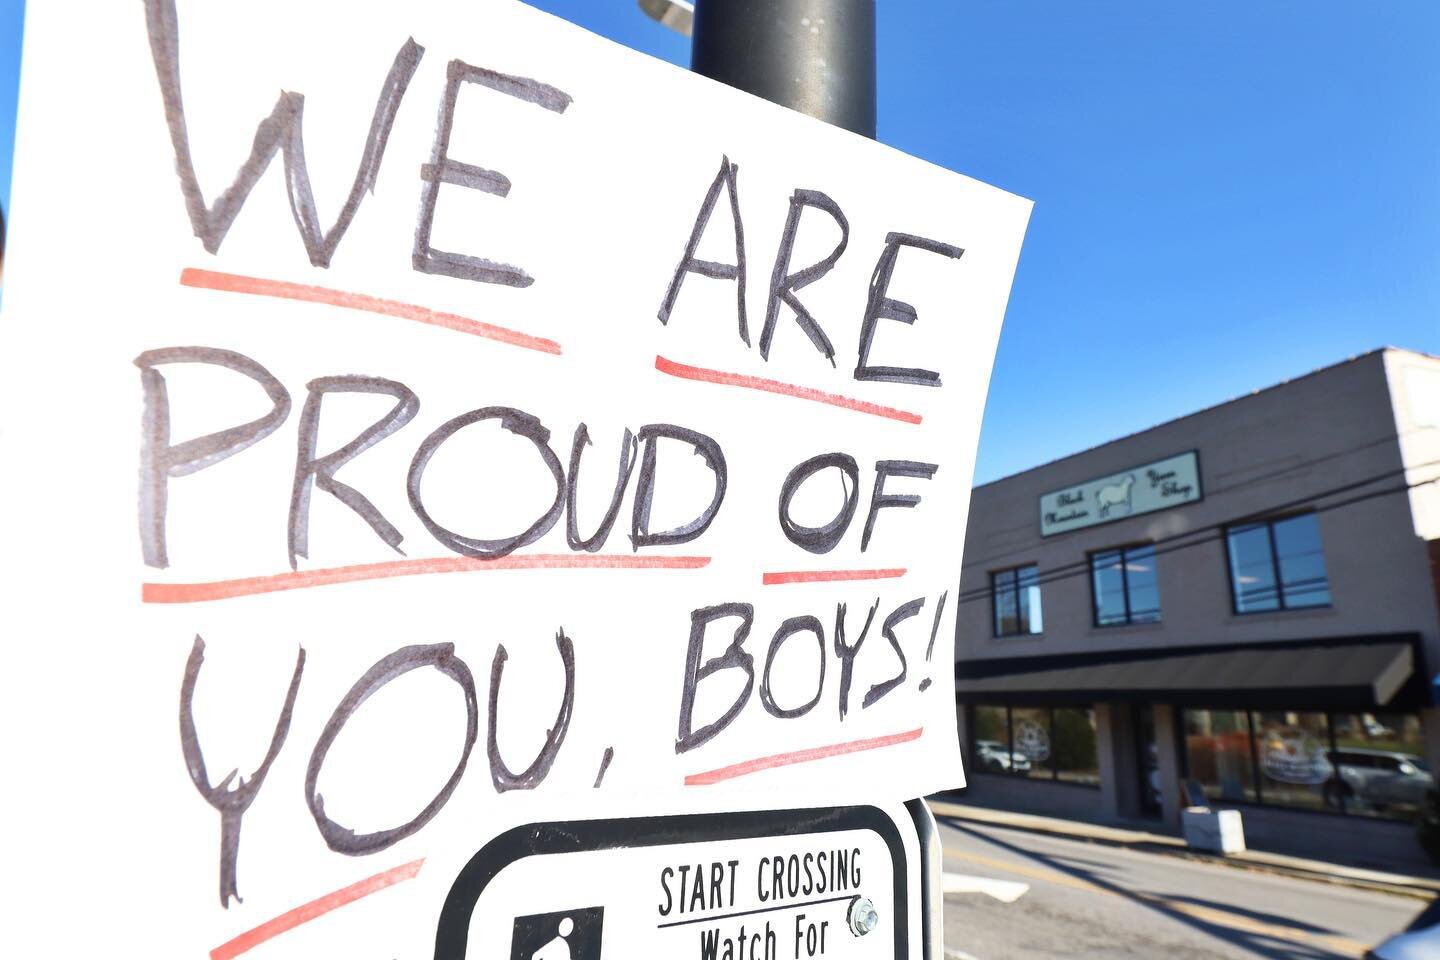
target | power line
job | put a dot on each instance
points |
(1083, 566)
(1264, 478)
(1213, 533)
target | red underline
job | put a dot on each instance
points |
(235, 283)
(704, 375)
(304, 579)
(748, 767)
(825, 576)
(309, 911)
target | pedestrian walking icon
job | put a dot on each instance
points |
(564, 935)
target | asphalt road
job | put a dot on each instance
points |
(1087, 900)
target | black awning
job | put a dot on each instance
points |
(1316, 675)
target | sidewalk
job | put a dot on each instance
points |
(1422, 887)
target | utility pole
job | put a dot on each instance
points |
(814, 56)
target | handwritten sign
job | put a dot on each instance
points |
(430, 421)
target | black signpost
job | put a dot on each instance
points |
(814, 56)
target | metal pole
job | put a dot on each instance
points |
(814, 56)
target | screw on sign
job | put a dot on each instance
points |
(862, 916)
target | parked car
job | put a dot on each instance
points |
(1374, 729)
(1379, 778)
(994, 756)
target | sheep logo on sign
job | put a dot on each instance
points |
(1115, 495)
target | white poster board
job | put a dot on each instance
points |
(450, 494)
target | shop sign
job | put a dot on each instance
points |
(1129, 493)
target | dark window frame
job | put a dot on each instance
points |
(1123, 550)
(1015, 586)
(1257, 773)
(1269, 524)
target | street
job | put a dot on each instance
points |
(1088, 900)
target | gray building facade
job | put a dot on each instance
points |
(1243, 602)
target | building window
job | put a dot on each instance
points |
(1218, 754)
(1125, 587)
(1032, 743)
(1382, 771)
(1016, 596)
(1038, 743)
(1362, 764)
(1077, 759)
(990, 740)
(1294, 754)
(1277, 565)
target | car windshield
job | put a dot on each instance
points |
(1419, 763)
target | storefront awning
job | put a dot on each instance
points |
(1356, 676)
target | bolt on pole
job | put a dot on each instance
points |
(814, 56)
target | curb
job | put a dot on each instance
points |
(1417, 888)
(1421, 889)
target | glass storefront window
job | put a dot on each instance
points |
(991, 751)
(1038, 743)
(1077, 759)
(1358, 764)
(1381, 765)
(1031, 746)
(1217, 745)
(1295, 769)
(1365, 764)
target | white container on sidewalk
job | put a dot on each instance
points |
(1218, 831)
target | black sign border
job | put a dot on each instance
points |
(579, 836)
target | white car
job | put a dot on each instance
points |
(994, 757)
(1381, 778)
(1374, 729)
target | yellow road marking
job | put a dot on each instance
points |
(1213, 915)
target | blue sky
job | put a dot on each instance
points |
(1228, 193)
(12, 14)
